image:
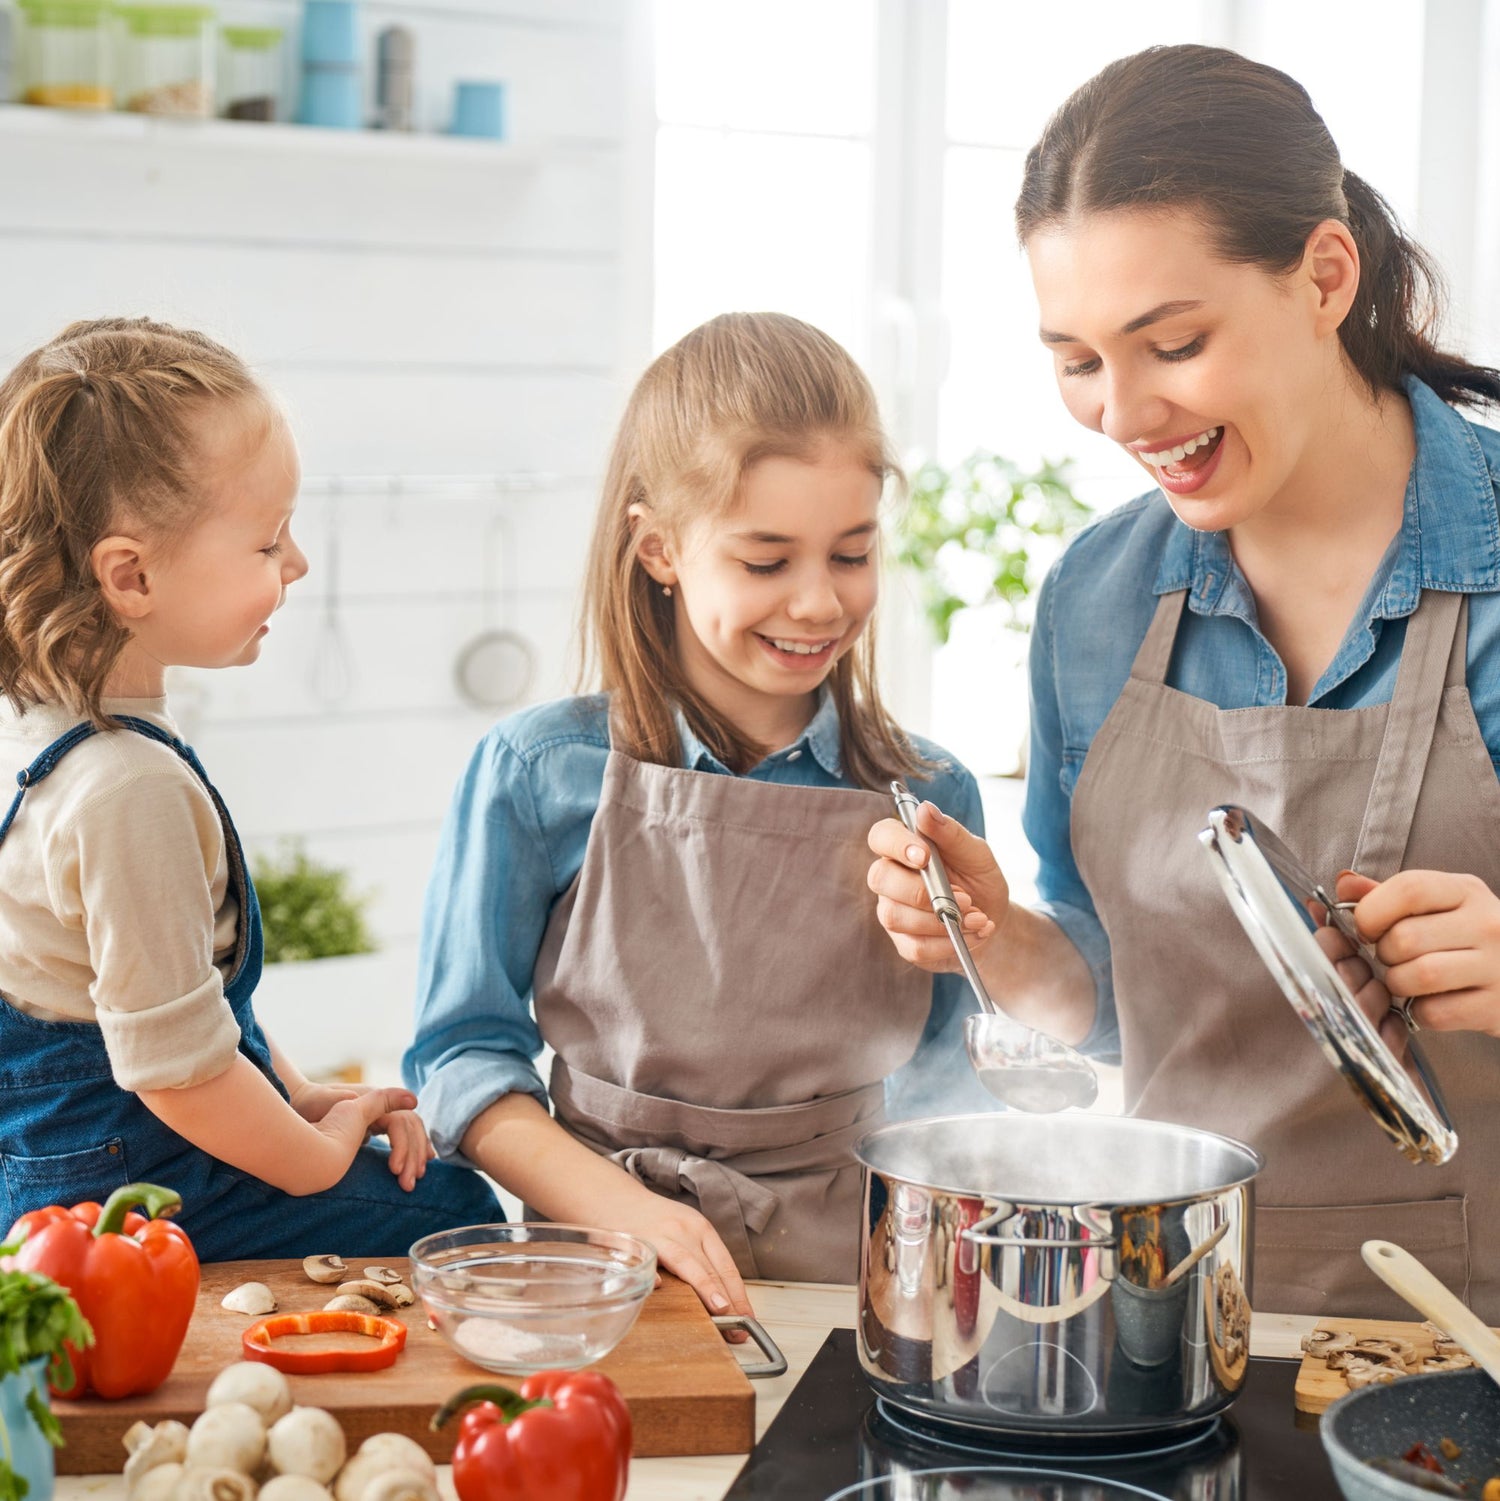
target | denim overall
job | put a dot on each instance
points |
(69, 1133)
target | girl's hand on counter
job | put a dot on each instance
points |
(1438, 934)
(903, 907)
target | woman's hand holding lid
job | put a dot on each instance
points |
(1438, 934)
(903, 907)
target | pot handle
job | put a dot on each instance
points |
(775, 1362)
(978, 1233)
(1046, 1313)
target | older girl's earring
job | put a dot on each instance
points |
(666, 590)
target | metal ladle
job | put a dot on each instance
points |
(1022, 1068)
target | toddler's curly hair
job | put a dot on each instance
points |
(96, 436)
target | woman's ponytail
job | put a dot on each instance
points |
(1398, 308)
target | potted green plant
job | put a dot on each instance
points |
(37, 1318)
(978, 539)
(321, 960)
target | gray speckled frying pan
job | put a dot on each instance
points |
(1383, 1422)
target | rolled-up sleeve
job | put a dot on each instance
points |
(485, 913)
(158, 997)
(1061, 892)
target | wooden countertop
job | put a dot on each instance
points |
(799, 1316)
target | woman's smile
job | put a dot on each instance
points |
(1185, 464)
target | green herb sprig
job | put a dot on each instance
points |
(38, 1319)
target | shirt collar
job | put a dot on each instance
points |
(1449, 538)
(821, 738)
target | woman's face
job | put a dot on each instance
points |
(1164, 347)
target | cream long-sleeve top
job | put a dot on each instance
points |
(115, 907)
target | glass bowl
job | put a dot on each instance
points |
(532, 1297)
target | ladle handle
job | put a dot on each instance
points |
(934, 873)
(1409, 1279)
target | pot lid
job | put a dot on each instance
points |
(1274, 899)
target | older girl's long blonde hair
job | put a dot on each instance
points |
(740, 388)
(96, 432)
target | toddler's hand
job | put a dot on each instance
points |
(313, 1101)
(350, 1120)
(411, 1148)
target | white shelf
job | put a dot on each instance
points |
(23, 120)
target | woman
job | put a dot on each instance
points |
(1301, 617)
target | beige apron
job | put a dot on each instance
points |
(1207, 1037)
(724, 1005)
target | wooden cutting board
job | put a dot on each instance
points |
(1318, 1387)
(686, 1391)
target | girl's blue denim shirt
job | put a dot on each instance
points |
(512, 844)
(1097, 602)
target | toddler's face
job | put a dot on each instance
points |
(219, 587)
(772, 594)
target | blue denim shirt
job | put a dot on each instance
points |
(1096, 604)
(512, 844)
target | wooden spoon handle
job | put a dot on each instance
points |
(1407, 1277)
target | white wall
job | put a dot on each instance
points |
(427, 307)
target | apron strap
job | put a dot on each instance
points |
(1155, 656)
(1434, 649)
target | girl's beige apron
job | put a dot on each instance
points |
(1208, 1038)
(724, 1005)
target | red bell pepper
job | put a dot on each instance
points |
(565, 1436)
(135, 1278)
(388, 1336)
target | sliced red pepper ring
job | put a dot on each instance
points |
(388, 1336)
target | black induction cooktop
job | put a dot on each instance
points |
(834, 1441)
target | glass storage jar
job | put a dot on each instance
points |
(252, 73)
(166, 61)
(62, 51)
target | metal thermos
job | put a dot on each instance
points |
(395, 79)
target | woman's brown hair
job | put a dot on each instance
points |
(1241, 142)
(96, 433)
(740, 388)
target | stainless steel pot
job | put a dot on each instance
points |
(1016, 1271)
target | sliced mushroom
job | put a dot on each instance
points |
(376, 1292)
(1372, 1354)
(403, 1295)
(262, 1387)
(250, 1297)
(1401, 1350)
(228, 1436)
(352, 1303)
(1458, 1362)
(325, 1268)
(386, 1274)
(1322, 1343)
(307, 1441)
(1360, 1373)
(196, 1484)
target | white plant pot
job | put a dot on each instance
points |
(328, 1014)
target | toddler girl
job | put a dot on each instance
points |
(665, 881)
(146, 492)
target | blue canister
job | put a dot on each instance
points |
(479, 110)
(30, 1454)
(332, 95)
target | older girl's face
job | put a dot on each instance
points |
(1210, 375)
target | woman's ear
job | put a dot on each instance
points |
(650, 545)
(1330, 263)
(119, 564)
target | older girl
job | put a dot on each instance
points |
(147, 484)
(663, 880)
(1301, 616)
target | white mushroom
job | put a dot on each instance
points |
(387, 1274)
(351, 1303)
(401, 1485)
(377, 1292)
(250, 1297)
(150, 1448)
(260, 1386)
(157, 1484)
(294, 1488)
(325, 1268)
(196, 1484)
(228, 1436)
(400, 1453)
(308, 1441)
